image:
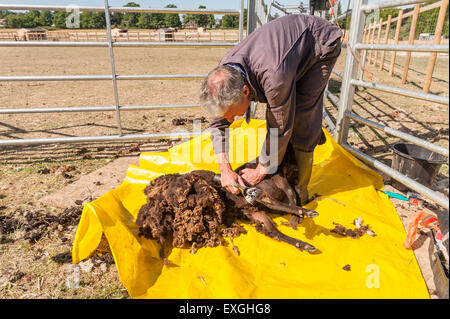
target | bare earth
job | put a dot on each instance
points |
(27, 270)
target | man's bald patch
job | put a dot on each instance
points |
(216, 80)
(220, 89)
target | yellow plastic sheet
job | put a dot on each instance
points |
(379, 266)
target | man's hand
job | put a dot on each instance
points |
(229, 177)
(253, 176)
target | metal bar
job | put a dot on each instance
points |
(344, 15)
(441, 48)
(329, 120)
(251, 16)
(276, 5)
(101, 77)
(363, 64)
(333, 98)
(389, 4)
(113, 67)
(96, 108)
(86, 139)
(339, 74)
(404, 92)
(117, 9)
(350, 72)
(115, 44)
(241, 21)
(423, 190)
(405, 136)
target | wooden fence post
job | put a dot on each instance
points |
(412, 32)
(397, 34)
(378, 41)
(437, 40)
(364, 39)
(386, 40)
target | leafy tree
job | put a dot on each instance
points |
(59, 19)
(157, 20)
(172, 19)
(45, 18)
(230, 21)
(5, 13)
(144, 21)
(21, 20)
(131, 20)
(202, 20)
(116, 18)
(384, 13)
(92, 20)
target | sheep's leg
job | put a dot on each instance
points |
(282, 207)
(282, 183)
(265, 225)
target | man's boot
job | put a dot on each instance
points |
(304, 163)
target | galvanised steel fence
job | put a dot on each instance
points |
(255, 18)
(114, 77)
(350, 80)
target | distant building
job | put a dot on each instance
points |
(3, 22)
(190, 25)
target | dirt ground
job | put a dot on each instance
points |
(32, 178)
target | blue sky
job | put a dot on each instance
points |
(212, 4)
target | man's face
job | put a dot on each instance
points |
(238, 109)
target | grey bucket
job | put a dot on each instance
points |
(416, 162)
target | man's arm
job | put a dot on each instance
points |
(218, 128)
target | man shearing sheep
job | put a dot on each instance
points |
(286, 64)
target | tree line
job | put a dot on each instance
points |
(96, 20)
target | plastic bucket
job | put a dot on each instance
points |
(416, 162)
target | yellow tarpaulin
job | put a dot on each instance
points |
(379, 266)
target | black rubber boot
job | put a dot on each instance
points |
(304, 163)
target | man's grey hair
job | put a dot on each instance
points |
(221, 88)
